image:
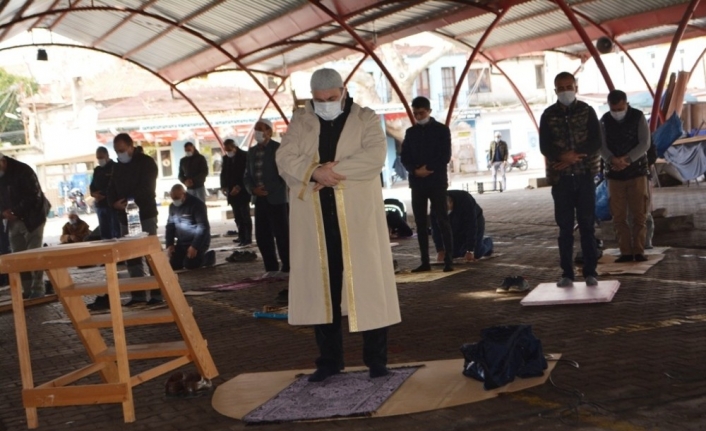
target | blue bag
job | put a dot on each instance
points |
(602, 202)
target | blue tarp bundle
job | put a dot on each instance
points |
(689, 159)
(667, 133)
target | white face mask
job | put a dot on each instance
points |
(178, 203)
(424, 121)
(102, 162)
(329, 111)
(189, 153)
(230, 154)
(566, 98)
(618, 115)
(124, 157)
(259, 136)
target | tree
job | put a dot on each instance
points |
(12, 89)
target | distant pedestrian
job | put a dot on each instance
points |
(498, 160)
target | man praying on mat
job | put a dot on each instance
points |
(467, 227)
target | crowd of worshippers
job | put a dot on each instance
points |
(343, 229)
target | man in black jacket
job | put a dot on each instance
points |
(233, 187)
(467, 227)
(135, 177)
(188, 233)
(271, 208)
(107, 219)
(626, 139)
(24, 212)
(193, 170)
(426, 152)
(570, 139)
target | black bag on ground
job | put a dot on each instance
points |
(503, 353)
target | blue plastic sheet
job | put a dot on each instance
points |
(689, 159)
(667, 133)
(602, 202)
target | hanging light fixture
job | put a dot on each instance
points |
(42, 55)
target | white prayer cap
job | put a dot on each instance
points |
(72, 211)
(266, 122)
(326, 79)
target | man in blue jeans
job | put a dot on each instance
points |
(570, 139)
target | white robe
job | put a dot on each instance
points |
(369, 289)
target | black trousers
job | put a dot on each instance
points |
(272, 224)
(241, 213)
(180, 261)
(329, 337)
(437, 197)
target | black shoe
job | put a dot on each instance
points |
(448, 267)
(232, 232)
(135, 302)
(425, 267)
(625, 258)
(100, 303)
(378, 371)
(640, 258)
(155, 301)
(209, 259)
(322, 374)
(282, 297)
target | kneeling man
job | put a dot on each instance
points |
(188, 233)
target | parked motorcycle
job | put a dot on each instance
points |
(519, 161)
(78, 201)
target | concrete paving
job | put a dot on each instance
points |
(641, 357)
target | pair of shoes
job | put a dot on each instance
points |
(155, 301)
(515, 284)
(591, 281)
(425, 267)
(640, 258)
(282, 297)
(448, 267)
(210, 259)
(624, 258)
(245, 243)
(232, 232)
(565, 282)
(322, 374)
(134, 302)
(378, 371)
(186, 386)
(100, 303)
(241, 256)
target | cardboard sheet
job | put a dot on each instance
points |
(424, 277)
(550, 294)
(616, 251)
(607, 265)
(436, 385)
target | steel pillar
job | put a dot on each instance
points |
(668, 61)
(473, 56)
(357, 66)
(163, 79)
(586, 40)
(370, 51)
(160, 18)
(619, 45)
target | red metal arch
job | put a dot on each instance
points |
(514, 87)
(356, 67)
(163, 79)
(370, 51)
(668, 61)
(474, 54)
(163, 19)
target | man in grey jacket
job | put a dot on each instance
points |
(269, 190)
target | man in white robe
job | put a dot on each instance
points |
(331, 158)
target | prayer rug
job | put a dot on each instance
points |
(243, 284)
(424, 277)
(343, 395)
(550, 294)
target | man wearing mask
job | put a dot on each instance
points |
(75, 230)
(626, 139)
(193, 170)
(135, 177)
(498, 159)
(570, 139)
(331, 158)
(107, 219)
(263, 181)
(188, 233)
(426, 152)
(24, 212)
(233, 187)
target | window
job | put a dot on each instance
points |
(165, 161)
(479, 80)
(423, 84)
(448, 84)
(539, 76)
